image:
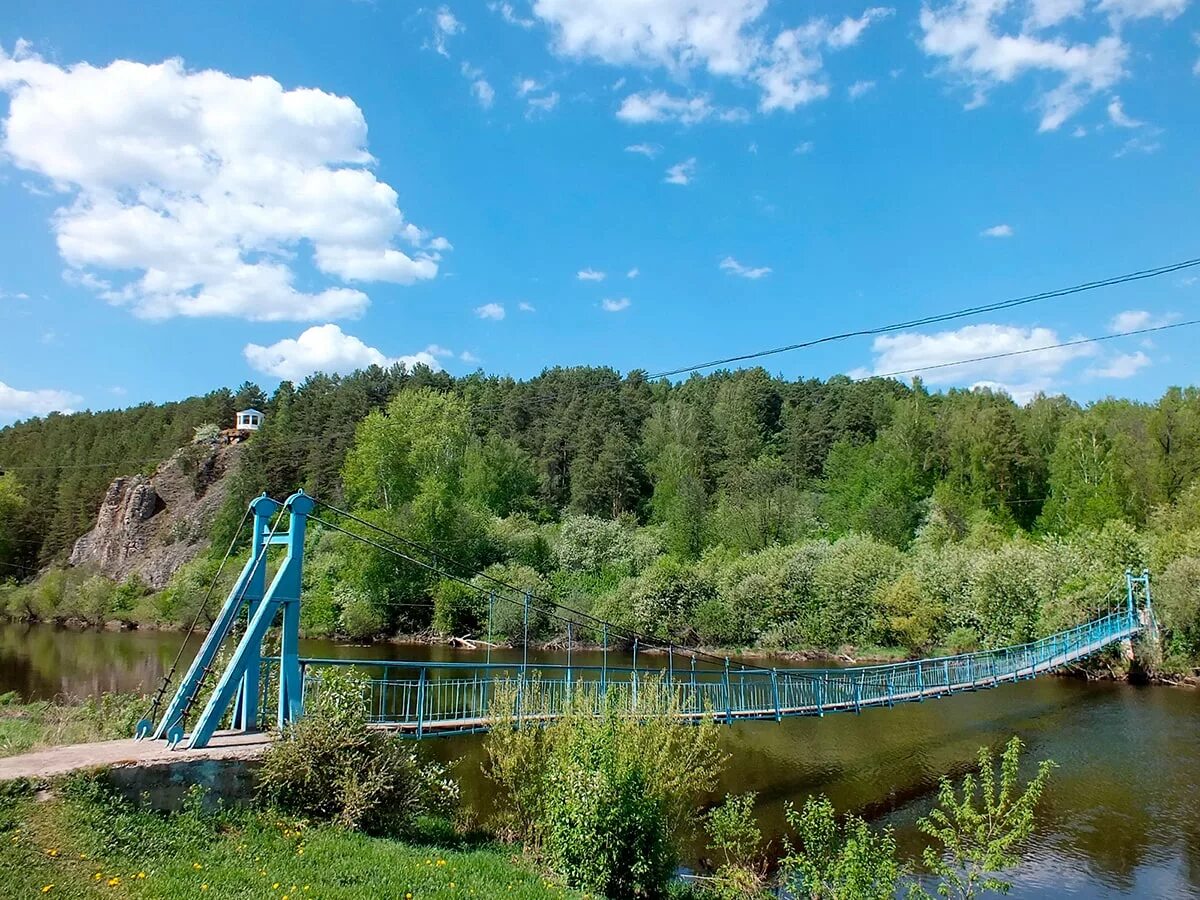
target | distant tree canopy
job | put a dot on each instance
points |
(743, 459)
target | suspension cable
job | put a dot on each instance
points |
(155, 703)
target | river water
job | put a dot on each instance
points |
(1121, 817)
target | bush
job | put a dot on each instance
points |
(1177, 605)
(359, 617)
(734, 836)
(602, 798)
(456, 608)
(847, 580)
(329, 766)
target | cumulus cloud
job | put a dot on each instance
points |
(445, 26)
(1138, 319)
(193, 193)
(731, 266)
(492, 311)
(659, 106)
(615, 304)
(589, 274)
(984, 45)
(681, 173)
(648, 150)
(1021, 376)
(1118, 116)
(859, 88)
(326, 348)
(19, 404)
(997, 231)
(725, 38)
(1124, 365)
(509, 15)
(481, 88)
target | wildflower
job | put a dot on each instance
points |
(114, 881)
(204, 887)
(97, 877)
(46, 888)
(197, 865)
(441, 862)
(140, 875)
(275, 886)
(52, 852)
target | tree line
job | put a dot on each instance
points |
(736, 507)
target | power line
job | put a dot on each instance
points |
(940, 317)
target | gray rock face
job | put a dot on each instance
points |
(150, 525)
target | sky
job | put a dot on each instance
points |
(193, 195)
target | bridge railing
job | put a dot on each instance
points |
(421, 698)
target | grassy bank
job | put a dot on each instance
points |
(84, 842)
(32, 726)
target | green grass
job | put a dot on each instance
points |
(31, 726)
(88, 843)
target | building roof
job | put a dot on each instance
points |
(242, 412)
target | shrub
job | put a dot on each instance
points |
(735, 838)
(838, 860)
(359, 617)
(456, 607)
(1178, 604)
(508, 606)
(603, 798)
(329, 766)
(846, 582)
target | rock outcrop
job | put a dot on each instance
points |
(150, 525)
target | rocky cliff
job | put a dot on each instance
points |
(150, 525)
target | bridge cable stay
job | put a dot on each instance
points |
(628, 633)
(147, 721)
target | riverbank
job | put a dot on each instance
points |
(79, 841)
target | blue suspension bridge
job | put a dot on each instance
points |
(424, 698)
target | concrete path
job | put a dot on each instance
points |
(60, 760)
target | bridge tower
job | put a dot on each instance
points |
(238, 685)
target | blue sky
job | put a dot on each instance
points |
(193, 195)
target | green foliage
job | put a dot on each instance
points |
(735, 837)
(602, 798)
(329, 766)
(838, 860)
(30, 726)
(981, 826)
(359, 617)
(1177, 604)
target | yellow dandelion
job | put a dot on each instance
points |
(441, 862)
(46, 888)
(196, 865)
(97, 876)
(204, 887)
(141, 875)
(275, 886)
(114, 881)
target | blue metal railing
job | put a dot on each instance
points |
(434, 698)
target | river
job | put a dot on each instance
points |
(1121, 817)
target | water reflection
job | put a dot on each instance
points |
(1121, 817)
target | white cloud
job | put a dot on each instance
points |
(850, 29)
(18, 404)
(439, 351)
(541, 104)
(326, 348)
(859, 88)
(526, 307)
(195, 192)
(445, 26)
(633, 273)
(1116, 113)
(481, 88)
(490, 311)
(468, 357)
(648, 150)
(509, 15)
(681, 173)
(528, 86)
(659, 106)
(804, 148)
(731, 266)
(1021, 376)
(1124, 365)
(725, 38)
(1137, 319)
(13, 295)
(1138, 145)
(589, 274)
(997, 231)
(984, 45)
(616, 304)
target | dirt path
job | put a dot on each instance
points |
(60, 760)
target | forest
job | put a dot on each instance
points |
(735, 509)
